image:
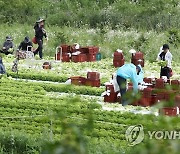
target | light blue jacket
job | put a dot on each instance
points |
(128, 71)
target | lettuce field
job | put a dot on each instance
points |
(40, 114)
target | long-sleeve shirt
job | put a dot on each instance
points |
(39, 32)
(165, 57)
(23, 45)
(128, 71)
(8, 45)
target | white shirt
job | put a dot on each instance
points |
(168, 57)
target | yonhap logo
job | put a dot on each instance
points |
(134, 135)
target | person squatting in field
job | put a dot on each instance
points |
(132, 72)
(40, 32)
(165, 55)
(25, 45)
(8, 46)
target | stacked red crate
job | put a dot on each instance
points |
(159, 84)
(175, 84)
(170, 111)
(65, 57)
(118, 59)
(93, 79)
(146, 97)
(65, 53)
(138, 58)
(113, 95)
(78, 80)
(65, 48)
(79, 58)
(91, 52)
(177, 101)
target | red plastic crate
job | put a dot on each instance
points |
(154, 99)
(93, 75)
(91, 57)
(147, 80)
(65, 48)
(118, 56)
(118, 63)
(147, 92)
(90, 50)
(65, 57)
(175, 84)
(79, 58)
(112, 98)
(138, 55)
(84, 50)
(177, 101)
(145, 102)
(137, 62)
(110, 87)
(93, 83)
(159, 84)
(78, 80)
(169, 111)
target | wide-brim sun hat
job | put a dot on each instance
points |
(40, 20)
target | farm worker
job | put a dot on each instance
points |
(25, 45)
(2, 68)
(128, 71)
(165, 55)
(40, 32)
(8, 46)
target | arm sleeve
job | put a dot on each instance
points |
(20, 46)
(134, 79)
(169, 59)
(158, 56)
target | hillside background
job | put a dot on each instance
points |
(140, 24)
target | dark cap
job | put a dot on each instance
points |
(139, 69)
(165, 46)
(8, 38)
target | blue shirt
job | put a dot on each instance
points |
(128, 71)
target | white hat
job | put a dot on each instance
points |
(132, 51)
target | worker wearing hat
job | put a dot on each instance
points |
(128, 71)
(40, 32)
(8, 46)
(165, 55)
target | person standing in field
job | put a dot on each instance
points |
(165, 55)
(40, 32)
(8, 46)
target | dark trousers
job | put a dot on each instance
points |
(165, 71)
(40, 48)
(122, 86)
